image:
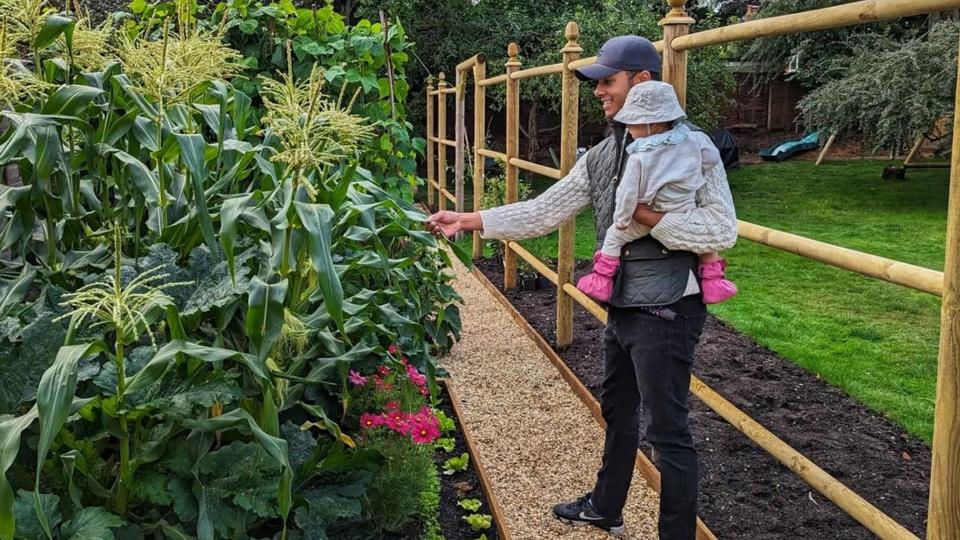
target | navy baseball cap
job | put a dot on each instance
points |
(622, 53)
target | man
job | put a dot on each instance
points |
(656, 312)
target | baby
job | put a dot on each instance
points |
(665, 167)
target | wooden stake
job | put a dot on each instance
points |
(431, 159)
(826, 148)
(513, 150)
(676, 24)
(569, 105)
(913, 151)
(460, 133)
(943, 515)
(479, 141)
(442, 134)
(386, 49)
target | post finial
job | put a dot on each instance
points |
(512, 51)
(676, 15)
(572, 33)
(443, 78)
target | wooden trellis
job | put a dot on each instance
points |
(943, 515)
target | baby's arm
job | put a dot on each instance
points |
(627, 192)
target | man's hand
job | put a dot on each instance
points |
(645, 215)
(445, 223)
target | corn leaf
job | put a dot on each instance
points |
(53, 26)
(192, 149)
(264, 320)
(143, 178)
(317, 219)
(12, 292)
(10, 430)
(70, 100)
(157, 366)
(54, 398)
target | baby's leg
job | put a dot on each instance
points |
(616, 238)
(598, 284)
(713, 283)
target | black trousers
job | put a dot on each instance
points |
(648, 362)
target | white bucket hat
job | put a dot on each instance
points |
(650, 102)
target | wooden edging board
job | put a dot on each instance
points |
(502, 529)
(643, 464)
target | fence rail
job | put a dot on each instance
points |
(943, 515)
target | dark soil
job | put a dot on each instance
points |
(745, 493)
(458, 486)
(96, 10)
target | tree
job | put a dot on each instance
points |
(448, 31)
(822, 55)
(891, 91)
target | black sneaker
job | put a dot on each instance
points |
(581, 511)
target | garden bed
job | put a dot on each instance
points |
(467, 484)
(745, 493)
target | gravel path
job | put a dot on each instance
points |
(539, 443)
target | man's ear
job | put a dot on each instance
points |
(641, 76)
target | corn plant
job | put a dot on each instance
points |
(184, 287)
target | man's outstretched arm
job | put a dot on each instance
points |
(525, 219)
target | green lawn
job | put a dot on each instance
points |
(875, 340)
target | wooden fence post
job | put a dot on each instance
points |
(943, 514)
(479, 142)
(441, 147)
(431, 164)
(675, 24)
(570, 104)
(512, 151)
(460, 129)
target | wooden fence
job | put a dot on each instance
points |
(943, 514)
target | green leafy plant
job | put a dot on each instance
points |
(446, 444)
(456, 464)
(362, 60)
(447, 424)
(472, 505)
(479, 522)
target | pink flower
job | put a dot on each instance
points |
(370, 421)
(383, 370)
(392, 349)
(397, 421)
(357, 379)
(424, 431)
(392, 406)
(381, 384)
(424, 391)
(415, 376)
